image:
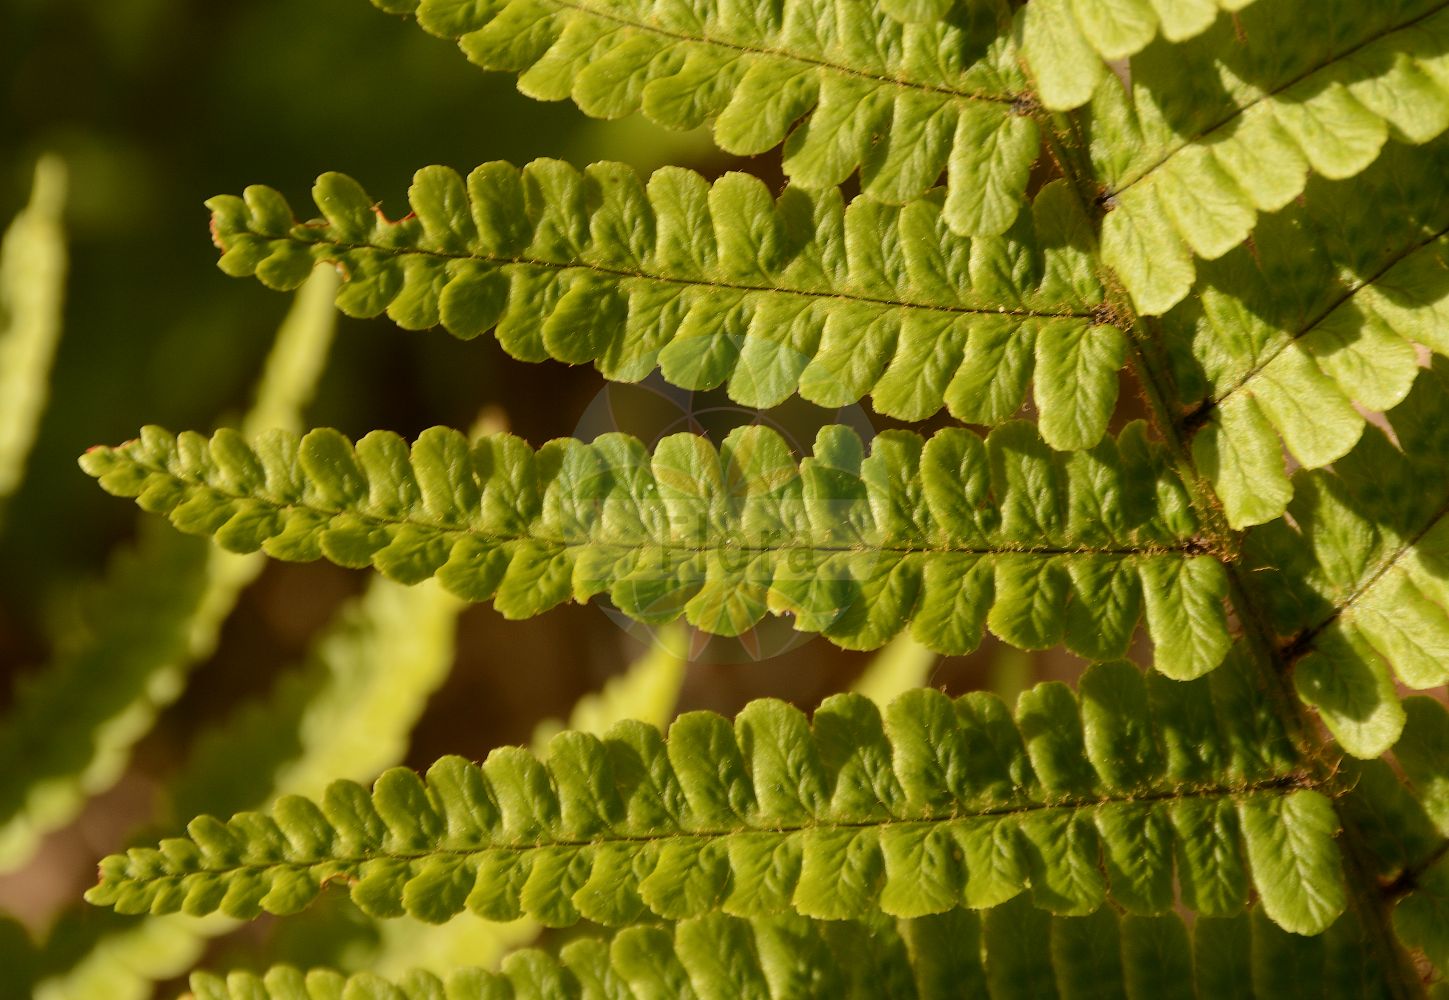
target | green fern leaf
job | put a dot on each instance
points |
(949, 803)
(926, 534)
(1314, 324)
(1065, 42)
(901, 103)
(32, 282)
(720, 284)
(1217, 130)
(124, 960)
(648, 691)
(1353, 582)
(1262, 180)
(1010, 951)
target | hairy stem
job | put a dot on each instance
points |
(1318, 755)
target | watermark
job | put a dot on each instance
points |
(711, 571)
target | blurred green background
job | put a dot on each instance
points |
(158, 104)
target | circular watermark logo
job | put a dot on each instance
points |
(651, 411)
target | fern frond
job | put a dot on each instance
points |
(158, 612)
(32, 289)
(1073, 548)
(649, 692)
(1354, 582)
(1313, 324)
(1217, 130)
(943, 804)
(720, 284)
(901, 103)
(1067, 43)
(1009, 951)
